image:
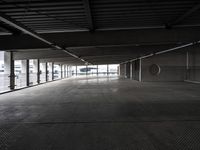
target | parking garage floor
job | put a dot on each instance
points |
(101, 114)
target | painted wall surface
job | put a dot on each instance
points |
(172, 67)
(194, 64)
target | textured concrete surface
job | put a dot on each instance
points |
(101, 114)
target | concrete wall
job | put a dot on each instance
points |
(136, 70)
(194, 64)
(172, 67)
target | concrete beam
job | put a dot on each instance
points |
(104, 38)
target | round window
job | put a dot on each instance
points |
(154, 69)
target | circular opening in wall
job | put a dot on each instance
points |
(154, 69)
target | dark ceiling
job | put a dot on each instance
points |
(99, 31)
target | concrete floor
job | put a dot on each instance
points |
(101, 114)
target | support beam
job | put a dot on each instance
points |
(103, 38)
(185, 15)
(89, 16)
(11, 22)
(10, 29)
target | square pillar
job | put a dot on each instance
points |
(27, 72)
(10, 68)
(46, 71)
(38, 71)
(128, 70)
(52, 67)
(107, 70)
(61, 68)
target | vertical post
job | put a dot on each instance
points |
(131, 72)
(86, 70)
(65, 75)
(61, 68)
(97, 70)
(27, 72)
(140, 69)
(52, 71)
(46, 71)
(125, 70)
(107, 70)
(38, 71)
(67, 71)
(12, 72)
(76, 70)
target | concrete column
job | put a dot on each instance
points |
(86, 70)
(46, 71)
(38, 71)
(131, 70)
(97, 70)
(52, 67)
(27, 72)
(61, 68)
(140, 69)
(65, 74)
(107, 70)
(76, 70)
(122, 70)
(128, 70)
(67, 71)
(9, 65)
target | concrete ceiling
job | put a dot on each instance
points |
(97, 31)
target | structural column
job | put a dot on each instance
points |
(128, 70)
(52, 67)
(10, 68)
(65, 74)
(107, 70)
(97, 70)
(86, 70)
(38, 71)
(140, 69)
(122, 70)
(27, 72)
(46, 71)
(67, 71)
(76, 70)
(61, 68)
(131, 70)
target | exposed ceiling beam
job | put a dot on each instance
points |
(89, 15)
(184, 16)
(4, 18)
(103, 38)
(10, 29)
